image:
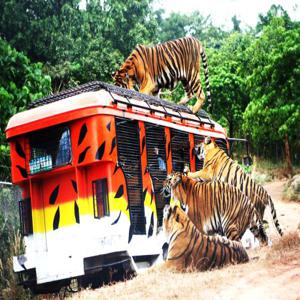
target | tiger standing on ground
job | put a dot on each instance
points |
(163, 66)
(189, 248)
(215, 207)
(219, 166)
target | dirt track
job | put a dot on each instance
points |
(288, 213)
(275, 275)
(270, 275)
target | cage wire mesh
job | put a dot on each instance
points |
(49, 148)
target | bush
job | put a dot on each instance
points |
(261, 178)
(292, 189)
(11, 243)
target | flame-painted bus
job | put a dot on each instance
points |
(91, 162)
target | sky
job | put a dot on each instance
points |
(221, 11)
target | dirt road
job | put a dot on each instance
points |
(272, 274)
(276, 274)
(288, 213)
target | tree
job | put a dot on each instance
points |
(274, 12)
(273, 85)
(179, 25)
(77, 45)
(227, 81)
(125, 24)
(236, 24)
(39, 28)
(174, 26)
(21, 82)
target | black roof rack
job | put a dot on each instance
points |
(150, 100)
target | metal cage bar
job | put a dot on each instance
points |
(130, 160)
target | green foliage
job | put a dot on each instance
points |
(125, 24)
(227, 81)
(236, 24)
(78, 45)
(179, 25)
(273, 83)
(21, 82)
(274, 12)
(257, 70)
(175, 26)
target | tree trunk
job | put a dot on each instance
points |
(288, 159)
(230, 127)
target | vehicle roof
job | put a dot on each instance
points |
(101, 98)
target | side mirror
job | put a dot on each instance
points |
(247, 160)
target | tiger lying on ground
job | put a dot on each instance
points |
(219, 166)
(215, 207)
(189, 248)
(163, 66)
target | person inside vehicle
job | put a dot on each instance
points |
(161, 163)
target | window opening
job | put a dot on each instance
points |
(198, 139)
(25, 216)
(129, 158)
(180, 150)
(49, 148)
(100, 198)
(156, 156)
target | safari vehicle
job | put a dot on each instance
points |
(91, 163)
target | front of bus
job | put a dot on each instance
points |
(63, 158)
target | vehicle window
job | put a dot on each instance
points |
(49, 148)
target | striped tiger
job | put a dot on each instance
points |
(219, 166)
(190, 249)
(215, 207)
(163, 66)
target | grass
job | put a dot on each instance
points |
(292, 189)
(264, 171)
(288, 242)
(161, 284)
(225, 283)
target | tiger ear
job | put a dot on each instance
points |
(113, 74)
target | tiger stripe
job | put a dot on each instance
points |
(215, 207)
(163, 66)
(219, 166)
(189, 248)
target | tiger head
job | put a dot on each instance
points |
(126, 76)
(171, 182)
(174, 219)
(201, 149)
(172, 187)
